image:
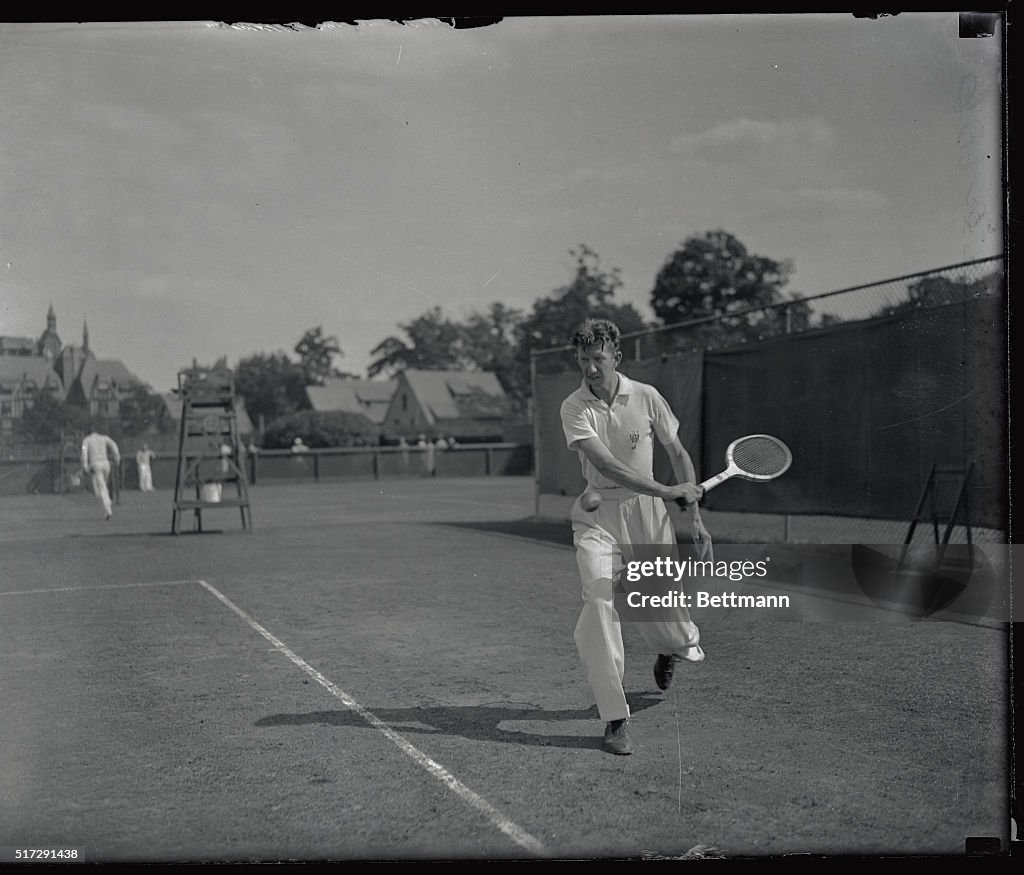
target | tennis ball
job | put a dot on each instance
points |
(590, 500)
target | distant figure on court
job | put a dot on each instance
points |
(298, 446)
(144, 462)
(96, 463)
(225, 455)
(429, 460)
(403, 445)
(612, 423)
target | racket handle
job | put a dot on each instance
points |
(684, 504)
(714, 481)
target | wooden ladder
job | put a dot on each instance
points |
(209, 448)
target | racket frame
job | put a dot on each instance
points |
(734, 470)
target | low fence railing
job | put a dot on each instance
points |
(50, 475)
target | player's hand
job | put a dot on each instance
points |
(687, 493)
(701, 540)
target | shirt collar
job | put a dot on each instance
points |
(625, 388)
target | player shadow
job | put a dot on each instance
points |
(475, 722)
(556, 534)
(527, 529)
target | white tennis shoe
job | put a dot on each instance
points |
(694, 654)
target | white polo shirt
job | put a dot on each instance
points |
(627, 427)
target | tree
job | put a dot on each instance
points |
(432, 342)
(713, 275)
(316, 355)
(489, 342)
(140, 411)
(590, 294)
(49, 420)
(938, 290)
(272, 386)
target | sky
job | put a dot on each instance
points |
(193, 190)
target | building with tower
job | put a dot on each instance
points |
(73, 374)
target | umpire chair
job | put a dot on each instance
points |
(209, 448)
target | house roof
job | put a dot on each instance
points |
(368, 397)
(17, 343)
(457, 394)
(106, 370)
(34, 369)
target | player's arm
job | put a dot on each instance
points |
(682, 466)
(602, 459)
(85, 457)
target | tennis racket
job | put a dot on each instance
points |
(757, 457)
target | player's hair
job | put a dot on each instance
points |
(591, 331)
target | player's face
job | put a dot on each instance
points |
(597, 363)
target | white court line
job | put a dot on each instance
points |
(514, 832)
(100, 586)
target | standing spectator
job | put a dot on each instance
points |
(96, 463)
(144, 462)
(429, 459)
(225, 455)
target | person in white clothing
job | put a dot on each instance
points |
(612, 422)
(96, 463)
(144, 462)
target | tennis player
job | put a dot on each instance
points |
(612, 422)
(96, 462)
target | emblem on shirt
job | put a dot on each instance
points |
(634, 437)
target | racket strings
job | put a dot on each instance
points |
(762, 456)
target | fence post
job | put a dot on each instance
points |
(316, 466)
(487, 464)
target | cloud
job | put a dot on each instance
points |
(743, 139)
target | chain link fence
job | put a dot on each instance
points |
(955, 283)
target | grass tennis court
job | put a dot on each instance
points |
(386, 670)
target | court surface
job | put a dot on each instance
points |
(386, 670)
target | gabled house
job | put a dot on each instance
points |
(372, 398)
(22, 380)
(100, 385)
(466, 405)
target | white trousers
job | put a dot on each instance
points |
(601, 537)
(145, 478)
(100, 471)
